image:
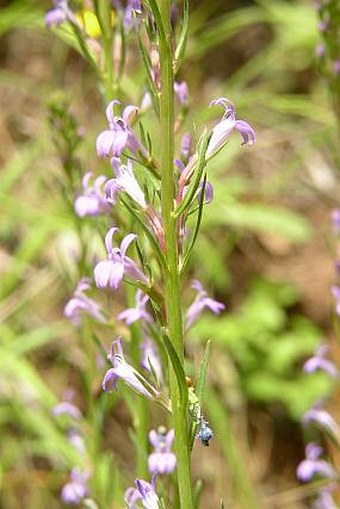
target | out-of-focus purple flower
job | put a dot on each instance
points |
(336, 67)
(335, 219)
(222, 131)
(181, 92)
(76, 439)
(323, 419)
(144, 493)
(162, 460)
(60, 13)
(320, 51)
(119, 136)
(186, 146)
(74, 491)
(131, 315)
(150, 359)
(336, 295)
(312, 465)
(125, 180)
(80, 304)
(202, 301)
(67, 408)
(109, 273)
(123, 370)
(128, 12)
(324, 500)
(318, 361)
(323, 25)
(92, 202)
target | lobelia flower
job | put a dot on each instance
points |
(131, 315)
(222, 131)
(80, 304)
(150, 359)
(125, 181)
(123, 370)
(202, 301)
(119, 136)
(67, 408)
(324, 500)
(336, 295)
(181, 92)
(323, 419)
(186, 146)
(109, 273)
(162, 460)
(335, 219)
(312, 465)
(318, 361)
(144, 492)
(74, 491)
(92, 202)
(132, 6)
(60, 13)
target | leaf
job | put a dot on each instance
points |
(178, 369)
(183, 36)
(203, 372)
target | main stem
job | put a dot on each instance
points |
(171, 276)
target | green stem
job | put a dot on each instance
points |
(171, 274)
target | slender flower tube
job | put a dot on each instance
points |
(92, 201)
(162, 460)
(150, 359)
(222, 131)
(202, 301)
(119, 136)
(125, 181)
(124, 371)
(312, 465)
(144, 493)
(109, 273)
(80, 304)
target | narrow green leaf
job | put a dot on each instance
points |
(178, 369)
(197, 227)
(183, 36)
(147, 66)
(203, 372)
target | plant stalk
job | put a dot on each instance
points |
(171, 274)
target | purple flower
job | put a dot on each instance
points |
(80, 304)
(162, 460)
(202, 301)
(320, 51)
(181, 92)
(324, 500)
(336, 67)
(323, 419)
(119, 136)
(74, 491)
(144, 492)
(92, 202)
(150, 359)
(335, 218)
(60, 13)
(122, 370)
(125, 180)
(131, 315)
(318, 361)
(186, 146)
(110, 272)
(67, 408)
(128, 13)
(312, 465)
(336, 295)
(222, 131)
